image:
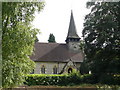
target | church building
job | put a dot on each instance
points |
(57, 58)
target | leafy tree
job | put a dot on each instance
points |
(102, 37)
(82, 43)
(51, 38)
(0, 59)
(36, 40)
(18, 39)
(84, 67)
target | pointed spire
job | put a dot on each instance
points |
(72, 28)
(72, 33)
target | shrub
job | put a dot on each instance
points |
(74, 77)
(62, 80)
(70, 79)
(88, 78)
(41, 79)
(110, 79)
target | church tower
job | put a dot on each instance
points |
(72, 40)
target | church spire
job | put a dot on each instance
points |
(72, 34)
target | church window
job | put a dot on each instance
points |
(54, 70)
(43, 69)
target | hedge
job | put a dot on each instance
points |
(62, 80)
(70, 79)
(110, 79)
(39, 79)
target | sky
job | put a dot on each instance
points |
(55, 18)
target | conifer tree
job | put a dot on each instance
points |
(51, 38)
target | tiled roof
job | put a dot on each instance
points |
(55, 52)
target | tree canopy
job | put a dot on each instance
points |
(51, 38)
(18, 39)
(36, 40)
(102, 37)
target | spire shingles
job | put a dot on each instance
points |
(72, 28)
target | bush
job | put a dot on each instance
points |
(74, 77)
(70, 79)
(89, 78)
(41, 79)
(61, 80)
(110, 79)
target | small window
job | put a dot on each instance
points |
(55, 70)
(43, 69)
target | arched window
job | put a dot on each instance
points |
(55, 70)
(43, 69)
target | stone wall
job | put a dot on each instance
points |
(50, 65)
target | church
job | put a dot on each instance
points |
(58, 58)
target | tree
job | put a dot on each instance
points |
(18, 39)
(36, 40)
(51, 38)
(0, 58)
(84, 68)
(102, 37)
(82, 43)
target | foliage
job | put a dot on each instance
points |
(110, 79)
(82, 43)
(51, 38)
(36, 40)
(0, 57)
(18, 38)
(68, 80)
(84, 69)
(102, 38)
(74, 77)
(61, 80)
(107, 87)
(74, 73)
(43, 79)
(89, 78)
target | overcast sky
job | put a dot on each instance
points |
(55, 18)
